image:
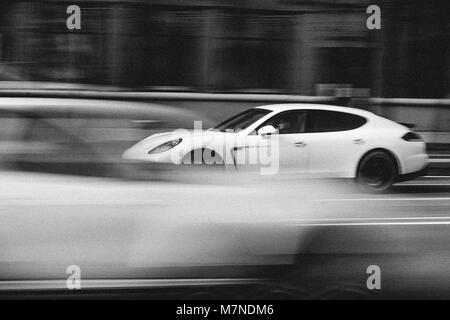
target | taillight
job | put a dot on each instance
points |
(412, 136)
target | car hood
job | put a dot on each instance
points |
(168, 136)
(205, 136)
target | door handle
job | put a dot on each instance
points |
(359, 141)
(300, 144)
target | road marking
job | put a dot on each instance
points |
(439, 160)
(372, 221)
(386, 199)
(51, 202)
(377, 218)
(375, 223)
(424, 184)
(118, 283)
(436, 177)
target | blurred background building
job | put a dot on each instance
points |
(271, 46)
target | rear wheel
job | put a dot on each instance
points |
(377, 172)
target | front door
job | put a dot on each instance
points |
(282, 153)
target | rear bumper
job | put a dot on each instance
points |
(412, 175)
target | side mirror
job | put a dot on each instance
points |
(267, 131)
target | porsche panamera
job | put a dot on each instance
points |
(312, 140)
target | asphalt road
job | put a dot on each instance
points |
(406, 233)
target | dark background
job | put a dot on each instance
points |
(270, 46)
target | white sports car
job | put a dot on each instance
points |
(306, 139)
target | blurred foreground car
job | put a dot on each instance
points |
(211, 237)
(313, 140)
(121, 233)
(126, 234)
(78, 136)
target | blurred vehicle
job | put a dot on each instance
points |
(125, 234)
(78, 136)
(317, 140)
(128, 234)
(121, 233)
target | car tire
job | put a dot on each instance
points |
(377, 172)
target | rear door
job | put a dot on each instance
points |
(334, 142)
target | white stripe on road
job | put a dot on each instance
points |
(436, 177)
(118, 283)
(52, 202)
(439, 160)
(386, 199)
(376, 218)
(424, 184)
(394, 221)
(375, 223)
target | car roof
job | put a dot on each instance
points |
(307, 106)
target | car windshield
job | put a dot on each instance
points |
(242, 120)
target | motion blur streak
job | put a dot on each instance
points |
(150, 66)
(306, 47)
(118, 229)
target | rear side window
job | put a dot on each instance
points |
(331, 121)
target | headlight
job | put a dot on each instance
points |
(165, 146)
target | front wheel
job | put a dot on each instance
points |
(202, 157)
(377, 172)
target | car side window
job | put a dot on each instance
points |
(287, 122)
(332, 121)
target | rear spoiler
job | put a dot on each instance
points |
(406, 124)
